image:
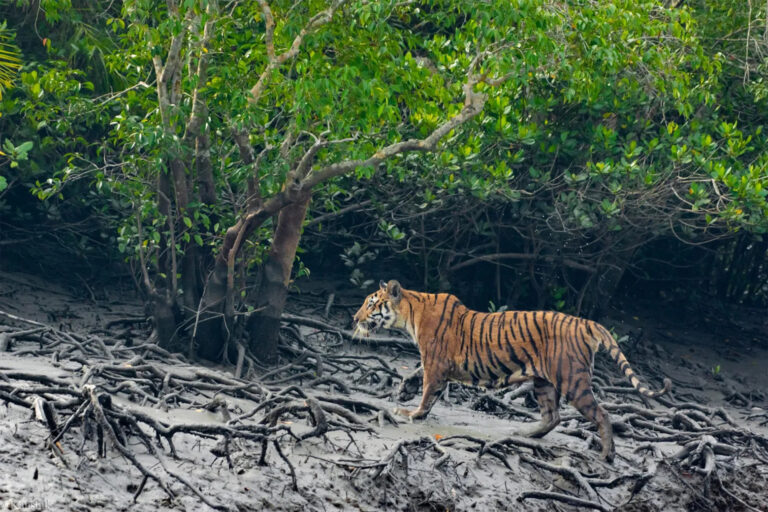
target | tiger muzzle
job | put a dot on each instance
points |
(360, 329)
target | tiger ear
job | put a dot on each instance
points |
(383, 285)
(394, 290)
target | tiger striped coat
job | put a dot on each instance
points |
(553, 349)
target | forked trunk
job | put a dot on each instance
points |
(264, 325)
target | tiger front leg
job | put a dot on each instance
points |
(432, 388)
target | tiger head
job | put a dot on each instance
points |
(380, 309)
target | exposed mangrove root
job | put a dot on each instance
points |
(111, 384)
(110, 395)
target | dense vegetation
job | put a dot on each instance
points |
(529, 153)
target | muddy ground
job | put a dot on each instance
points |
(199, 433)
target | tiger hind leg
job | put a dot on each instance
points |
(548, 399)
(587, 405)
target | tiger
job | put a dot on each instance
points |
(492, 350)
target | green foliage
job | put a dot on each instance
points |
(16, 154)
(617, 126)
(365, 76)
(10, 58)
(493, 308)
(618, 123)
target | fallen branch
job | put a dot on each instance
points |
(24, 320)
(564, 498)
(6, 338)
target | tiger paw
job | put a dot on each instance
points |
(399, 411)
(522, 432)
(530, 433)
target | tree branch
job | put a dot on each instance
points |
(274, 61)
(337, 213)
(198, 105)
(473, 105)
(521, 256)
(164, 72)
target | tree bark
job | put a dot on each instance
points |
(264, 326)
(164, 320)
(190, 279)
(209, 329)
